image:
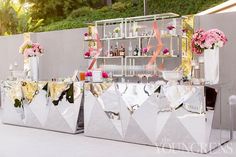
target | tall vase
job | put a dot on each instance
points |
(211, 61)
(34, 68)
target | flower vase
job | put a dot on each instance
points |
(211, 65)
(34, 68)
(116, 35)
(201, 68)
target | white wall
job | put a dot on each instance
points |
(9, 53)
(63, 53)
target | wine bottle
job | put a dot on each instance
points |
(122, 50)
(111, 52)
(136, 51)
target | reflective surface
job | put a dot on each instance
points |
(48, 105)
(171, 116)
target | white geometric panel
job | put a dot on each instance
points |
(175, 135)
(100, 125)
(89, 101)
(135, 134)
(125, 115)
(17, 115)
(195, 124)
(30, 118)
(55, 121)
(68, 111)
(39, 106)
(146, 115)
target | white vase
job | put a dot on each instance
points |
(34, 68)
(211, 65)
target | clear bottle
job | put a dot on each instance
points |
(130, 49)
(116, 51)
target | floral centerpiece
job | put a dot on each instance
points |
(203, 40)
(30, 49)
(208, 43)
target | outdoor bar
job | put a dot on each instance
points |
(159, 81)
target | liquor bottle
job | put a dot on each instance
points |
(116, 51)
(122, 50)
(136, 51)
(111, 52)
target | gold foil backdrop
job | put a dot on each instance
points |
(188, 24)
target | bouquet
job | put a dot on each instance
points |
(30, 49)
(207, 40)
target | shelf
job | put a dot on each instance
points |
(120, 57)
(138, 37)
(160, 56)
(114, 57)
(152, 17)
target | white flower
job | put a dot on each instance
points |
(220, 44)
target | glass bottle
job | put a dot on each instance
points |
(111, 51)
(130, 49)
(136, 51)
(122, 50)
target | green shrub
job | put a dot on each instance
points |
(61, 25)
(119, 6)
(80, 12)
(104, 9)
(125, 8)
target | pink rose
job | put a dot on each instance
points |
(88, 74)
(145, 50)
(170, 27)
(104, 74)
(165, 51)
(87, 54)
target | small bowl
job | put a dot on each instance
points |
(172, 76)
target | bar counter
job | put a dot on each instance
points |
(49, 105)
(183, 117)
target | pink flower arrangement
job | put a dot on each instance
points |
(88, 74)
(30, 49)
(166, 51)
(145, 50)
(170, 27)
(207, 40)
(87, 54)
(104, 74)
(86, 34)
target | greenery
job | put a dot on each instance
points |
(15, 19)
(48, 15)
